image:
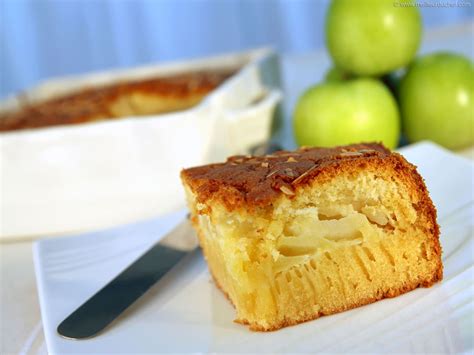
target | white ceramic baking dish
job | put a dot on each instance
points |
(67, 179)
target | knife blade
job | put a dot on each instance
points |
(113, 299)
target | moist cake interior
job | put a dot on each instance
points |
(331, 245)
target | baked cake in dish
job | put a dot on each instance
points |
(126, 98)
(292, 236)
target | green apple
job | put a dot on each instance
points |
(437, 100)
(353, 111)
(372, 37)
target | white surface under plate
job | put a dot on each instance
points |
(185, 312)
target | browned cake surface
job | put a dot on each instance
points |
(293, 236)
(128, 98)
(256, 181)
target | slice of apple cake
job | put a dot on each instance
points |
(291, 236)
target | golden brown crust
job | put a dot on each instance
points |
(90, 104)
(257, 181)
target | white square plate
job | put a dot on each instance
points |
(184, 312)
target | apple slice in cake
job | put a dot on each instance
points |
(292, 236)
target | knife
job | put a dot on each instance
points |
(108, 303)
(113, 299)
